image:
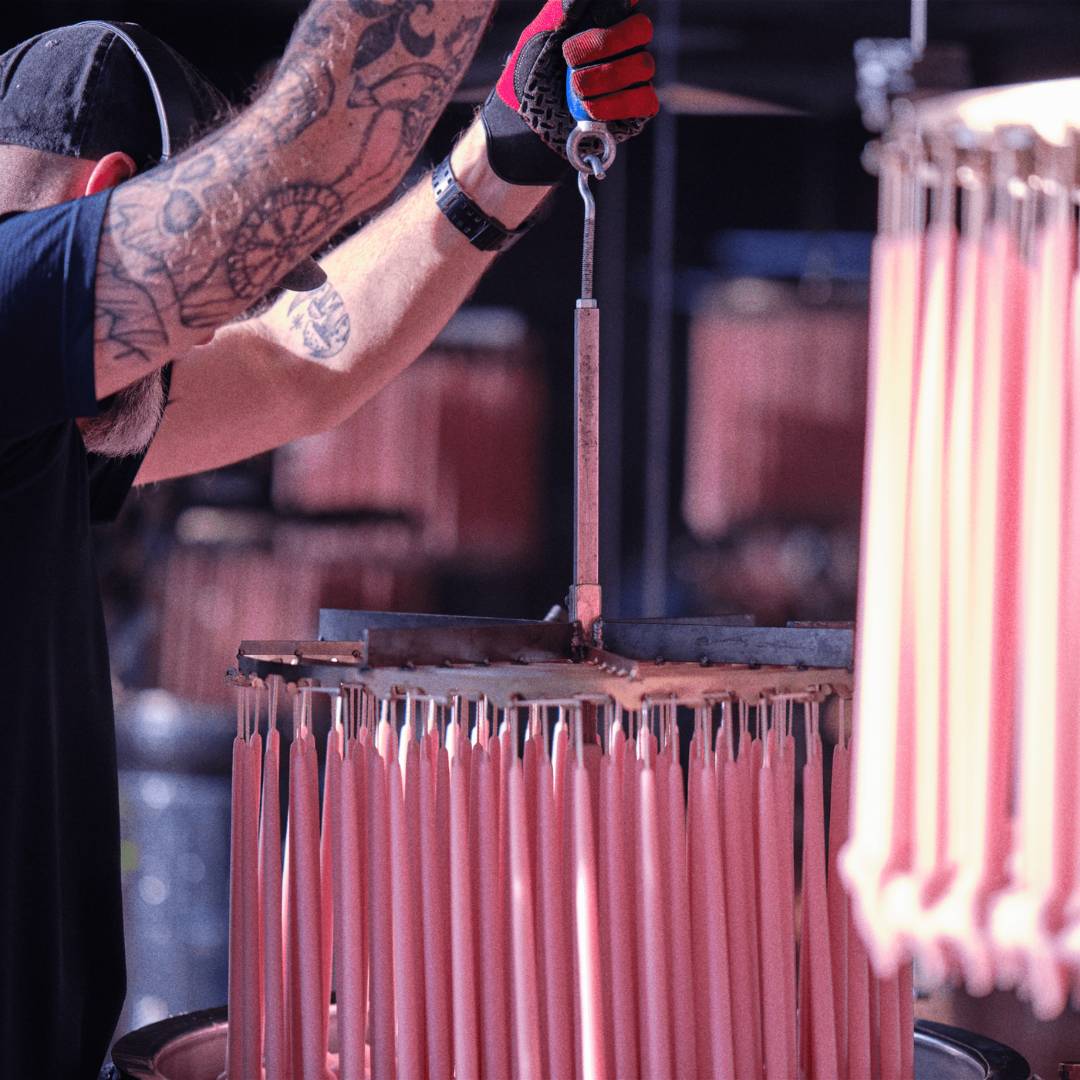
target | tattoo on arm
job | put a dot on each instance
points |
(319, 323)
(301, 95)
(193, 243)
(128, 322)
(391, 22)
(277, 234)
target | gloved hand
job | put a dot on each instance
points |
(526, 117)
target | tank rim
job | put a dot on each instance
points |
(135, 1053)
(1001, 1062)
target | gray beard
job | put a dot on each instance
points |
(129, 422)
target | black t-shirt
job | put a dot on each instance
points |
(61, 933)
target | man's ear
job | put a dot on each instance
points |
(111, 170)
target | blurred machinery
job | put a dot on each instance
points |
(776, 405)
(776, 391)
(453, 446)
(441, 469)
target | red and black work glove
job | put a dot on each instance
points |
(526, 116)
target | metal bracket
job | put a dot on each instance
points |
(387, 639)
(729, 640)
(447, 654)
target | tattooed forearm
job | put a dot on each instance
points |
(276, 234)
(302, 93)
(192, 244)
(390, 23)
(128, 322)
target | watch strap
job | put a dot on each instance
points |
(481, 231)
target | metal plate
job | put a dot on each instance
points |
(390, 639)
(397, 640)
(721, 641)
(507, 659)
(626, 682)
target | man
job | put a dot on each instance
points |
(103, 290)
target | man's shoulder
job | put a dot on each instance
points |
(51, 238)
(47, 271)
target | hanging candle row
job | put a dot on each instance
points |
(964, 846)
(549, 891)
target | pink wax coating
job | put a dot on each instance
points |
(837, 900)
(238, 1008)
(656, 1030)
(607, 767)
(234, 1052)
(566, 803)
(434, 926)
(750, 755)
(587, 950)
(408, 991)
(555, 942)
(698, 936)
(771, 921)
(631, 939)
(619, 916)
(274, 1055)
(489, 920)
(504, 754)
(327, 844)
(905, 993)
(891, 1063)
(879, 827)
(245, 1021)
(529, 761)
(874, 1025)
(380, 920)
(786, 821)
(741, 945)
(442, 849)
(711, 918)
(349, 896)
(253, 946)
(523, 934)
(362, 769)
(858, 1005)
(818, 1021)
(466, 1033)
(920, 833)
(678, 919)
(306, 1008)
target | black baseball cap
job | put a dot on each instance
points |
(80, 91)
(94, 87)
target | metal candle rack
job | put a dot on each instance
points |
(629, 662)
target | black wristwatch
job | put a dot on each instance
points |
(481, 231)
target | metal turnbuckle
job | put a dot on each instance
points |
(591, 150)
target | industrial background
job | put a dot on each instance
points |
(733, 262)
